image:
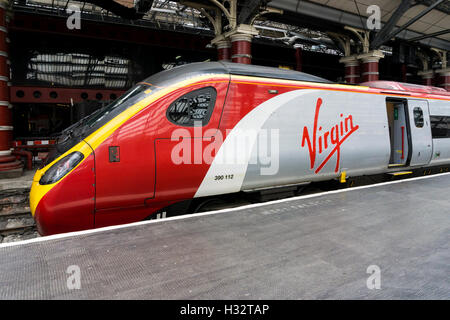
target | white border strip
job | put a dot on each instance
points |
(189, 216)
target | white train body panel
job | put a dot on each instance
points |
(319, 134)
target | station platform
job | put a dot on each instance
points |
(311, 247)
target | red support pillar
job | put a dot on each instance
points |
(427, 77)
(9, 166)
(224, 50)
(369, 70)
(351, 69)
(298, 58)
(241, 48)
(444, 78)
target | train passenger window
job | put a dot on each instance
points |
(440, 127)
(418, 117)
(193, 107)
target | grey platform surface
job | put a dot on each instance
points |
(317, 247)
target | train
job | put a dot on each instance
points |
(187, 136)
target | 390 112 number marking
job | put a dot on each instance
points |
(224, 177)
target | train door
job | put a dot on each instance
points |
(125, 166)
(398, 131)
(419, 119)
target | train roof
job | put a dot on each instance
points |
(270, 72)
(202, 68)
(191, 70)
(406, 87)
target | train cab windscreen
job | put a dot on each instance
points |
(128, 99)
(81, 129)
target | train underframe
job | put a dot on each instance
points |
(226, 201)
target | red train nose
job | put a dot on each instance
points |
(69, 204)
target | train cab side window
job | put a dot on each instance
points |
(418, 117)
(192, 108)
(440, 127)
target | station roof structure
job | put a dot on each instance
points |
(424, 21)
(303, 23)
(417, 21)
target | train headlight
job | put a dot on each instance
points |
(61, 168)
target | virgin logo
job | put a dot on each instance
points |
(327, 141)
